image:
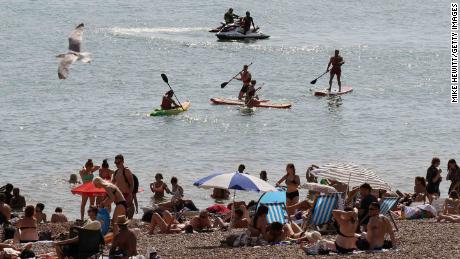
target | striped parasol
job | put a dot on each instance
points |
(351, 174)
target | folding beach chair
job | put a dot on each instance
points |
(387, 205)
(323, 206)
(276, 212)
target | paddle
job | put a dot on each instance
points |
(165, 79)
(314, 81)
(224, 84)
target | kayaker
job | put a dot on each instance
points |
(336, 61)
(245, 76)
(168, 103)
(251, 97)
(229, 17)
(247, 21)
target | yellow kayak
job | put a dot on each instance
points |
(175, 111)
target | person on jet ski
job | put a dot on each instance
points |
(229, 17)
(168, 103)
(247, 21)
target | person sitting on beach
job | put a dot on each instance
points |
(433, 179)
(452, 204)
(366, 199)
(347, 222)
(86, 174)
(18, 202)
(105, 172)
(27, 227)
(241, 168)
(419, 189)
(124, 243)
(378, 228)
(58, 216)
(166, 222)
(422, 211)
(167, 103)
(202, 222)
(5, 209)
(218, 193)
(159, 187)
(277, 232)
(39, 214)
(259, 223)
(240, 219)
(113, 195)
(92, 215)
(69, 248)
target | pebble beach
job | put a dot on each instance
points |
(417, 239)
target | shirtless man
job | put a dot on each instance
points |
(336, 61)
(5, 209)
(123, 179)
(18, 202)
(58, 216)
(125, 242)
(377, 228)
(251, 98)
(245, 77)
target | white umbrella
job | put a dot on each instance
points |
(351, 174)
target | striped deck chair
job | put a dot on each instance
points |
(276, 212)
(386, 205)
(323, 207)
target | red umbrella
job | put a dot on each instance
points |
(88, 189)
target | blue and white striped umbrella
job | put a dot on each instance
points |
(235, 181)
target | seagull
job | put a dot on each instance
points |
(74, 53)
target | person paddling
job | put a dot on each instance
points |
(245, 76)
(251, 98)
(168, 103)
(336, 61)
(229, 16)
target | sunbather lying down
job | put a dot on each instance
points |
(166, 222)
(448, 218)
(278, 232)
(10, 251)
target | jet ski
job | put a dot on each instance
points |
(222, 25)
(235, 32)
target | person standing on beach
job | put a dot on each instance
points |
(433, 179)
(245, 77)
(123, 179)
(292, 182)
(336, 61)
(114, 195)
(453, 175)
(86, 174)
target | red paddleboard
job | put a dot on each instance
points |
(325, 92)
(261, 104)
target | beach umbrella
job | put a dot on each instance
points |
(235, 181)
(351, 174)
(88, 189)
(317, 187)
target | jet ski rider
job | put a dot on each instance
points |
(247, 21)
(229, 17)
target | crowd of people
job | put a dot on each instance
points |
(359, 224)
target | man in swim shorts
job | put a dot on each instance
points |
(336, 61)
(246, 77)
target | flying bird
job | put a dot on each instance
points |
(74, 53)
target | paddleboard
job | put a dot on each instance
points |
(325, 92)
(160, 112)
(261, 104)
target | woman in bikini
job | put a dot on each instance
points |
(27, 227)
(159, 188)
(452, 204)
(346, 239)
(105, 172)
(86, 175)
(113, 195)
(292, 181)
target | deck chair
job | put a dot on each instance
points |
(90, 244)
(323, 206)
(387, 205)
(276, 212)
